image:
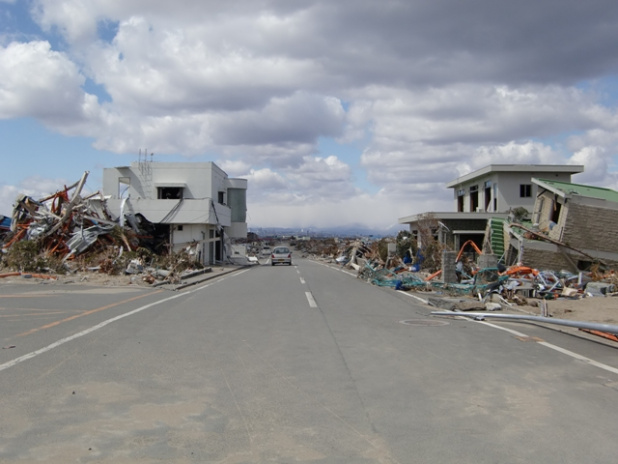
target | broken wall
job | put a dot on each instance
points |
(591, 228)
(192, 237)
(544, 210)
(544, 255)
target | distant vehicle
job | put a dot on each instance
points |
(265, 252)
(281, 255)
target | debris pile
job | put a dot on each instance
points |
(66, 233)
(405, 269)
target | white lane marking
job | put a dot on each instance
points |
(62, 341)
(337, 269)
(572, 354)
(302, 281)
(311, 300)
(579, 357)
(422, 300)
(94, 328)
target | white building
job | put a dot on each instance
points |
(484, 199)
(500, 188)
(196, 205)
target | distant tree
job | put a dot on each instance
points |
(431, 248)
(406, 245)
(519, 214)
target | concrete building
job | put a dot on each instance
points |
(500, 188)
(483, 199)
(196, 205)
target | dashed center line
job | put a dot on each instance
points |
(311, 300)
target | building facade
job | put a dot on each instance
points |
(197, 205)
(500, 188)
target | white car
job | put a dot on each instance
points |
(281, 255)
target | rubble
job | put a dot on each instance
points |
(68, 232)
(479, 289)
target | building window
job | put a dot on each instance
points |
(460, 204)
(221, 198)
(123, 186)
(525, 191)
(169, 193)
(461, 193)
(474, 198)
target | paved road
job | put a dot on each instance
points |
(290, 364)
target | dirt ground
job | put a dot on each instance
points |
(602, 309)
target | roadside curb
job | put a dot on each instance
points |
(198, 279)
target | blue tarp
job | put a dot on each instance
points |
(5, 222)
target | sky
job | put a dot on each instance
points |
(336, 112)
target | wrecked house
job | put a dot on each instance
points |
(572, 227)
(196, 206)
(552, 237)
(485, 199)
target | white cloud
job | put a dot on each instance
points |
(257, 84)
(597, 170)
(39, 82)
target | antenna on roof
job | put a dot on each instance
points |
(145, 165)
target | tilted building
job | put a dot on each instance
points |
(572, 226)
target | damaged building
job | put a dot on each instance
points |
(572, 227)
(483, 201)
(195, 206)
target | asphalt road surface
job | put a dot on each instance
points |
(300, 364)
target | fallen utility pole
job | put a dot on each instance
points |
(547, 320)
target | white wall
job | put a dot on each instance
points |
(203, 185)
(189, 234)
(508, 190)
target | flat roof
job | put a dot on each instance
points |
(450, 215)
(567, 188)
(534, 168)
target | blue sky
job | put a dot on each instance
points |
(355, 111)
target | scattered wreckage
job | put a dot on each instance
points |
(513, 284)
(66, 232)
(486, 289)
